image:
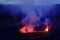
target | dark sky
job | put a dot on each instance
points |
(32, 2)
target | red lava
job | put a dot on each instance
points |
(26, 29)
(30, 29)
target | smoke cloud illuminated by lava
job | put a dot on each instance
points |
(32, 20)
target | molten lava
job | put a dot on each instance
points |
(26, 29)
(30, 29)
(23, 30)
(46, 29)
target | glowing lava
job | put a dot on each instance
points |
(46, 29)
(30, 29)
(23, 30)
(26, 29)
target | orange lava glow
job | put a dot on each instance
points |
(30, 29)
(23, 30)
(46, 29)
(26, 29)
